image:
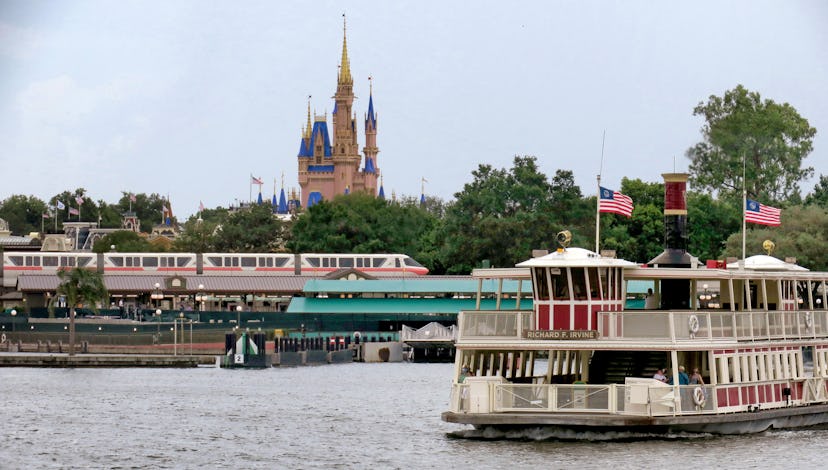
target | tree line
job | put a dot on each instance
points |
(502, 214)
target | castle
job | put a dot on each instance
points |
(331, 164)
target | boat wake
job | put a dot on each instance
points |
(562, 434)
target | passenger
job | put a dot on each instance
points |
(696, 378)
(464, 372)
(659, 375)
(650, 300)
(683, 378)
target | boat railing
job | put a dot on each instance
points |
(712, 325)
(494, 324)
(644, 398)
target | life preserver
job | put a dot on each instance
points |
(693, 325)
(808, 320)
(698, 397)
(3, 338)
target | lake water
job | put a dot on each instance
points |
(334, 416)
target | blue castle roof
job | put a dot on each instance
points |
(320, 131)
(371, 118)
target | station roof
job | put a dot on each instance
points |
(420, 285)
(365, 306)
(146, 283)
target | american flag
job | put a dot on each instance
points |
(761, 214)
(79, 200)
(73, 211)
(200, 206)
(254, 180)
(46, 215)
(132, 197)
(615, 202)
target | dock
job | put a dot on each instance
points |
(100, 360)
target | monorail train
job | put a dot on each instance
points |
(15, 263)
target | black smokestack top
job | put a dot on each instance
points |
(675, 223)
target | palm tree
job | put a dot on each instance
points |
(80, 286)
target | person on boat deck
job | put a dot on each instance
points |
(696, 378)
(659, 375)
(464, 372)
(650, 300)
(683, 378)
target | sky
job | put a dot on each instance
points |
(191, 98)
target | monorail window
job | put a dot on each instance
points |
(16, 260)
(265, 262)
(182, 261)
(313, 261)
(67, 261)
(234, 261)
(129, 261)
(50, 261)
(215, 261)
(326, 262)
(346, 262)
(83, 261)
(32, 261)
(378, 262)
(541, 283)
(359, 262)
(281, 261)
(248, 262)
(116, 261)
(396, 262)
(411, 262)
(151, 261)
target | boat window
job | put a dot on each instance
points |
(50, 261)
(602, 273)
(541, 283)
(579, 288)
(560, 284)
(151, 262)
(594, 291)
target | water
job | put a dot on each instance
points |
(336, 416)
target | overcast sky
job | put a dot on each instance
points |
(188, 98)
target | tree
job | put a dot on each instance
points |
(80, 286)
(803, 235)
(253, 229)
(772, 139)
(501, 216)
(819, 196)
(362, 223)
(24, 214)
(125, 241)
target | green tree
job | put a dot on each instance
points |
(362, 223)
(80, 286)
(124, 241)
(253, 229)
(709, 223)
(639, 238)
(502, 215)
(772, 139)
(24, 214)
(196, 237)
(803, 235)
(819, 196)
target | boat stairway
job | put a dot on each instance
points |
(613, 366)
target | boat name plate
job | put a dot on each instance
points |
(560, 334)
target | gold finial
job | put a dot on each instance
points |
(768, 246)
(370, 85)
(308, 129)
(345, 66)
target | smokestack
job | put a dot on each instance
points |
(675, 223)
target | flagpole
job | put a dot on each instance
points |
(598, 198)
(744, 210)
(250, 189)
(56, 215)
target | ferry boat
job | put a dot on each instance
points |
(582, 359)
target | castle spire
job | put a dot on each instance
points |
(345, 65)
(309, 125)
